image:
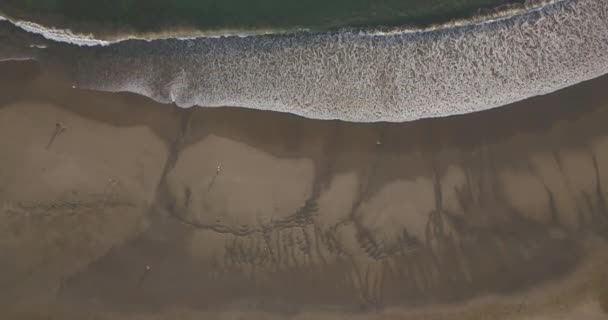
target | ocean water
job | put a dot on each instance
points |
(153, 15)
(362, 76)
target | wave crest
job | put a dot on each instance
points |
(359, 76)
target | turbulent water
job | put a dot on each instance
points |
(359, 76)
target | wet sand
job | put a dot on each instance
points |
(116, 207)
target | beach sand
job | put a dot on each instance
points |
(113, 206)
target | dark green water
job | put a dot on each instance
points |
(151, 15)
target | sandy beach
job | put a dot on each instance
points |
(113, 206)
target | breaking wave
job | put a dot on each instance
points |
(356, 75)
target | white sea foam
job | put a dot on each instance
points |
(17, 59)
(54, 34)
(363, 77)
(68, 36)
(65, 35)
(61, 35)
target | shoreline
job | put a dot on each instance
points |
(88, 37)
(362, 77)
(112, 32)
(358, 77)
